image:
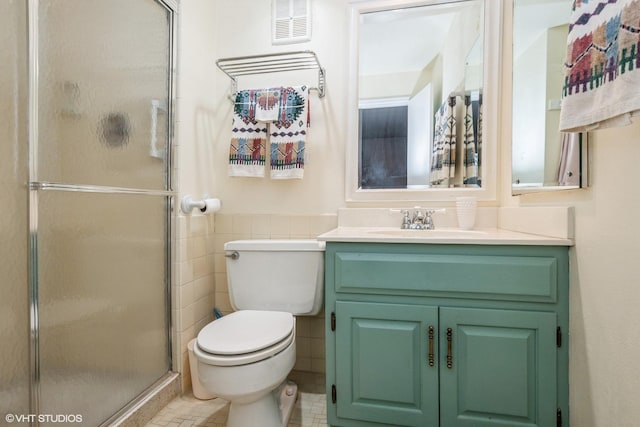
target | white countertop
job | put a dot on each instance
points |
(480, 236)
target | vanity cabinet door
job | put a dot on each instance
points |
(383, 374)
(497, 367)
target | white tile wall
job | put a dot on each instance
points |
(194, 286)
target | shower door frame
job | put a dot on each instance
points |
(34, 185)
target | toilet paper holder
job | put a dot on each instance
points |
(205, 205)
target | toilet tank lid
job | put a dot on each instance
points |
(274, 245)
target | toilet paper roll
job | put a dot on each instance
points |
(211, 206)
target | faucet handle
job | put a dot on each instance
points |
(432, 211)
(404, 212)
(429, 224)
(406, 221)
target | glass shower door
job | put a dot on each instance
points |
(14, 313)
(101, 189)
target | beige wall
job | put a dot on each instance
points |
(604, 340)
(212, 30)
(388, 85)
(604, 300)
(243, 28)
(262, 207)
(194, 285)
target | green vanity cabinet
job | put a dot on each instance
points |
(446, 335)
(380, 363)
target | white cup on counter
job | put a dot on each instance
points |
(466, 211)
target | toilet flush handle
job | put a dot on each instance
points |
(233, 255)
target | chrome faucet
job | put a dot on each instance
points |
(421, 220)
(406, 221)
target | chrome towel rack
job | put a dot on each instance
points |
(273, 63)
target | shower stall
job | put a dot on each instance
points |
(86, 89)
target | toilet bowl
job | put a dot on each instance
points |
(245, 357)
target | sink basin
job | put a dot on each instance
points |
(441, 233)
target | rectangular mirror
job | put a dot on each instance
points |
(543, 159)
(423, 110)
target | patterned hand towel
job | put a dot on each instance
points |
(248, 138)
(289, 133)
(267, 102)
(602, 75)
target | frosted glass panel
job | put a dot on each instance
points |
(14, 320)
(102, 281)
(104, 78)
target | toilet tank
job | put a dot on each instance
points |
(278, 275)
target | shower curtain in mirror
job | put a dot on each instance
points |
(472, 140)
(569, 159)
(443, 157)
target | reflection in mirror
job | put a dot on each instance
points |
(542, 157)
(420, 84)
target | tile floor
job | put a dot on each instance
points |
(186, 411)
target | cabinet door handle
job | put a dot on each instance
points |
(449, 348)
(431, 353)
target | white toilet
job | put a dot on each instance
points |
(245, 357)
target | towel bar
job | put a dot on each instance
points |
(272, 63)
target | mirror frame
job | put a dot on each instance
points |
(492, 52)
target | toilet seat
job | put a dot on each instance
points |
(246, 336)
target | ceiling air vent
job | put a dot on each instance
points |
(291, 21)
